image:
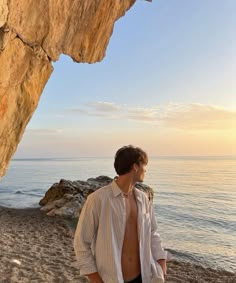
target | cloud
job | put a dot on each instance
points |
(103, 106)
(142, 114)
(199, 117)
(96, 109)
(44, 132)
(186, 116)
(77, 111)
(172, 115)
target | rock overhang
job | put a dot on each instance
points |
(32, 35)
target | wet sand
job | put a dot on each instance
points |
(36, 248)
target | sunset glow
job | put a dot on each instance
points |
(167, 84)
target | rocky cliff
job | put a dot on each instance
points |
(32, 34)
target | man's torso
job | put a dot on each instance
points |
(130, 258)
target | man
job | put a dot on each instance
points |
(116, 239)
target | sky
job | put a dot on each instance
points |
(167, 85)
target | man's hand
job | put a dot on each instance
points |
(162, 263)
(94, 278)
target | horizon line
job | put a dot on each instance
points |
(150, 157)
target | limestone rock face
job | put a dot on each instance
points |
(3, 12)
(34, 33)
(23, 75)
(67, 198)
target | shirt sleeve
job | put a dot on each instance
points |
(156, 246)
(85, 236)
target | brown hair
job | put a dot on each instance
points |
(127, 156)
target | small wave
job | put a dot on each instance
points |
(27, 194)
(184, 256)
(191, 219)
(206, 261)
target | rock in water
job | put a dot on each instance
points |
(67, 198)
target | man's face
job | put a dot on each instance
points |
(140, 172)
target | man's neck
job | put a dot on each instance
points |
(125, 183)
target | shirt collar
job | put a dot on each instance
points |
(117, 191)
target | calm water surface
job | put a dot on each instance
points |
(195, 199)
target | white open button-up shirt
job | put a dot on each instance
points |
(100, 233)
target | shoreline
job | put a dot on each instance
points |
(39, 248)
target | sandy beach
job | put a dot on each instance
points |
(35, 247)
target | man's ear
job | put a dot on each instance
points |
(135, 167)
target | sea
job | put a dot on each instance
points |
(194, 199)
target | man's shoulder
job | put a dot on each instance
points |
(141, 193)
(143, 197)
(101, 192)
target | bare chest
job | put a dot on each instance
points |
(130, 259)
(131, 210)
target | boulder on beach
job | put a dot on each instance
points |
(67, 198)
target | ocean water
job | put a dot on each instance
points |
(194, 201)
